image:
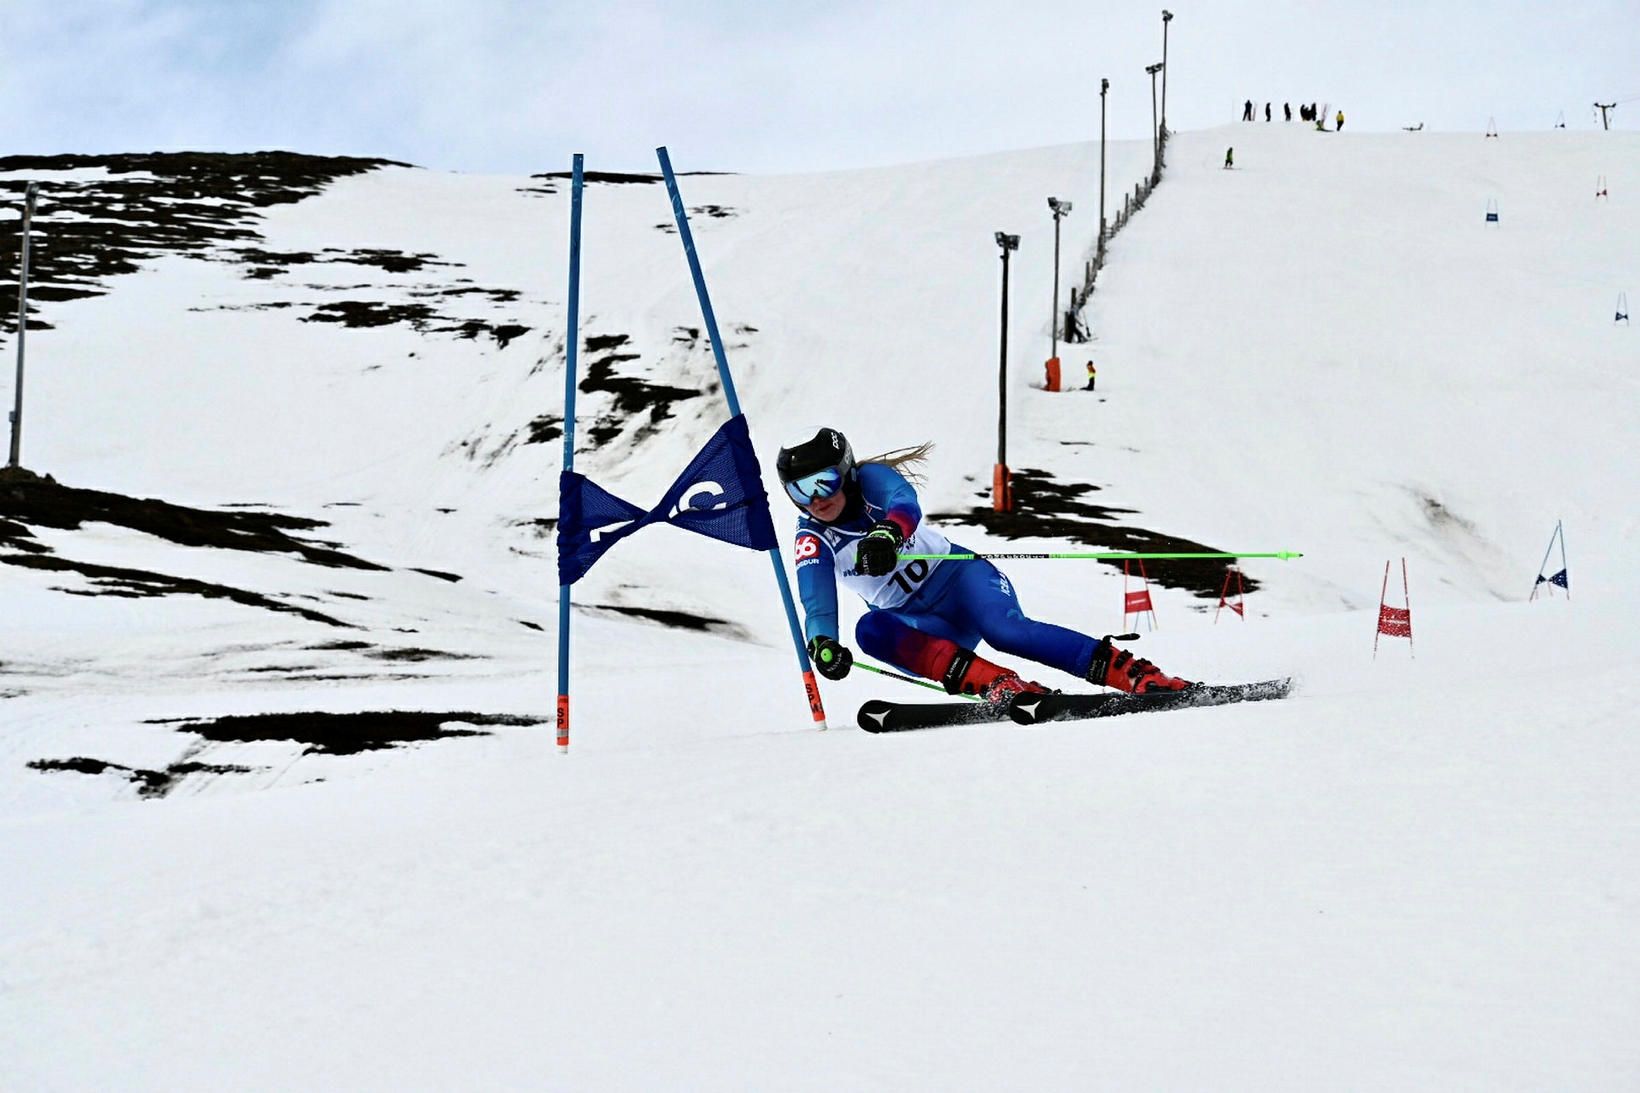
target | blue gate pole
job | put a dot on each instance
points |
(810, 686)
(1565, 566)
(570, 345)
(1548, 552)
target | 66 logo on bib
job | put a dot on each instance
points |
(808, 549)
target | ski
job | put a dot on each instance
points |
(1034, 709)
(879, 715)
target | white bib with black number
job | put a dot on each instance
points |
(891, 589)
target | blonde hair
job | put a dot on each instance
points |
(908, 461)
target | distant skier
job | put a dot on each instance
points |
(1247, 110)
(1339, 122)
(1093, 374)
(925, 617)
(1287, 109)
(1266, 111)
(1229, 159)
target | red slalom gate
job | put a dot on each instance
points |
(1136, 603)
(1240, 606)
(1394, 622)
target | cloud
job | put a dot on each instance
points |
(507, 85)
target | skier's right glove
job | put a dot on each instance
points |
(831, 657)
(879, 552)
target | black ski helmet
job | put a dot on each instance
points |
(816, 468)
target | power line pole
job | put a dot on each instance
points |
(1001, 493)
(22, 325)
(1155, 139)
(1603, 107)
(1167, 17)
(1061, 209)
(1104, 86)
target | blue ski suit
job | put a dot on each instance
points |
(921, 601)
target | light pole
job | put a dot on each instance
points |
(1002, 494)
(1155, 145)
(1167, 17)
(22, 326)
(1104, 86)
(1060, 209)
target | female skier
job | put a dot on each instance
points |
(926, 616)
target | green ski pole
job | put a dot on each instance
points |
(910, 679)
(1105, 556)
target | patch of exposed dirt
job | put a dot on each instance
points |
(681, 620)
(29, 501)
(149, 783)
(38, 501)
(633, 395)
(422, 318)
(544, 429)
(437, 574)
(503, 333)
(416, 656)
(615, 178)
(266, 264)
(714, 212)
(137, 583)
(346, 733)
(151, 204)
(619, 178)
(1044, 508)
(87, 232)
(363, 314)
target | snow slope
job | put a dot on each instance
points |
(1414, 874)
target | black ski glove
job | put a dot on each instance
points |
(879, 552)
(830, 656)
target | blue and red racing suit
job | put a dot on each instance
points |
(924, 610)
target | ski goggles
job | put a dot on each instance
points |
(815, 487)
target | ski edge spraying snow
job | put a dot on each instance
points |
(1034, 709)
(880, 716)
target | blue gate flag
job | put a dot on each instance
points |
(719, 495)
(1559, 579)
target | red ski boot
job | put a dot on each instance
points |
(1113, 667)
(971, 674)
(1003, 689)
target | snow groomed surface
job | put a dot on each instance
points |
(1413, 874)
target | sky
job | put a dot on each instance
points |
(511, 86)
